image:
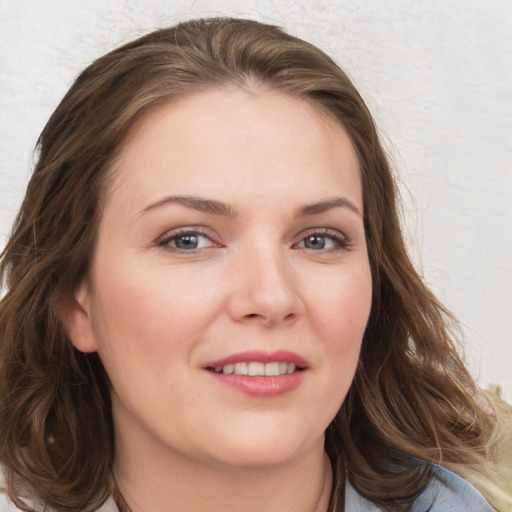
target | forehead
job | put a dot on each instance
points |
(224, 140)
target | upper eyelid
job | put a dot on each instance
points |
(323, 231)
(211, 235)
(185, 230)
(200, 230)
(340, 238)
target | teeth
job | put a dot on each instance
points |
(229, 368)
(257, 369)
(240, 369)
(291, 368)
(272, 369)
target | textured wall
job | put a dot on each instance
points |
(437, 75)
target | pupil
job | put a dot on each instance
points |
(186, 242)
(315, 242)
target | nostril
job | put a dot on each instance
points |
(290, 317)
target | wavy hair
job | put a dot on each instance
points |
(412, 401)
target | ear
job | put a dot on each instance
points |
(76, 315)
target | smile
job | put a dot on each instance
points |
(257, 369)
(260, 374)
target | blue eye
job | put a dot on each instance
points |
(186, 241)
(317, 242)
(324, 240)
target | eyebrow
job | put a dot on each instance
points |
(196, 203)
(329, 204)
(225, 210)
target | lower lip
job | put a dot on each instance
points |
(261, 386)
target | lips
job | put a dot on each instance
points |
(258, 373)
(259, 356)
(255, 368)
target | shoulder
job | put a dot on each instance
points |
(447, 492)
(451, 493)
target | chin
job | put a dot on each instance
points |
(266, 448)
(257, 458)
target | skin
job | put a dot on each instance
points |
(157, 313)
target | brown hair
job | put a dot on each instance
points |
(412, 401)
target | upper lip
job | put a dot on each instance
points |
(260, 356)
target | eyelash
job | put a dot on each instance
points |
(340, 241)
(165, 241)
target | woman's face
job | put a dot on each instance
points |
(230, 286)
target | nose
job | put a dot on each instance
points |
(265, 289)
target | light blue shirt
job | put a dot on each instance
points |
(448, 493)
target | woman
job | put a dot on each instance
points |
(209, 303)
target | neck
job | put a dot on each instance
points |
(157, 482)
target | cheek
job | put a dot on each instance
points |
(341, 316)
(151, 317)
(343, 306)
(146, 330)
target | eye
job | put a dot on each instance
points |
(186, 240)
(316, 242)
(324, 240)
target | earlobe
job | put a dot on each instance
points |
(78, 320)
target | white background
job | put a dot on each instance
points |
(436, 74)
